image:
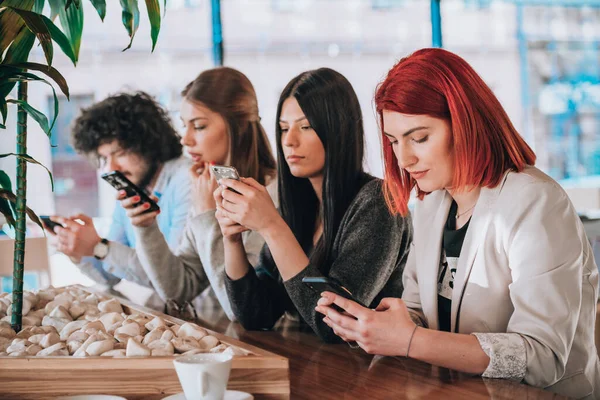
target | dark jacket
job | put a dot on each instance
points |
(369, 254)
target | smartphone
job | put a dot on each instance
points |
(49, 224)
(321, 284)
(225, 172)
(120, 182)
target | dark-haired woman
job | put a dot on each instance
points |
(219, 112)
(334, 221)
(501, 280)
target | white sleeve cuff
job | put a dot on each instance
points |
(507, 353)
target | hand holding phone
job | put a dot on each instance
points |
(49, 224)
(225, 172)
(322, 284)
(117, 180)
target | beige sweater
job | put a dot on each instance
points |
(196, 271)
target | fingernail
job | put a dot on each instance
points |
(146, 205)
(213, 163)
(158, 212)
(136, 198)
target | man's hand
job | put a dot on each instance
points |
(78, 237)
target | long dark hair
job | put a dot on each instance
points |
(333, 111)
(230, 93)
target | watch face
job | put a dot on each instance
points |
(101, 250)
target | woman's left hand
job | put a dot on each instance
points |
(203, 186)
(384, 331)
(252, 207)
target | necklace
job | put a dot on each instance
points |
(457, 215)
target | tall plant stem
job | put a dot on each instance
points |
(19, 255)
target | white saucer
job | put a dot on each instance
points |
(229, 395)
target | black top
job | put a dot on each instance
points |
(369, 254)
(452, 242)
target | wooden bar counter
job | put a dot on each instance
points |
(324, 371)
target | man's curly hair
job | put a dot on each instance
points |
(136, 121)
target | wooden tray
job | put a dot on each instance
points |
(261, 373)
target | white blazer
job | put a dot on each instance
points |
(526, 267)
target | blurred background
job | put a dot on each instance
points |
(541, 58)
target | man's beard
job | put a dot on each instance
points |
(148, 175)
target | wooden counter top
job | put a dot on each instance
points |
(324, 371)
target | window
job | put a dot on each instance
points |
(75, 179)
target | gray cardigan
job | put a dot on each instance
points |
(369, 254)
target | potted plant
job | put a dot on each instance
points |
(22, 24)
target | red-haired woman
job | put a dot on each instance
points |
(500, 280)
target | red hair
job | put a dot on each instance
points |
(440, 84)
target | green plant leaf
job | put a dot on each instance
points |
(20, 48)
(100, 6)
(6, 184)
(39, 6)
(35, 114)
(77, 3)
(3, 111)
(26, 76)
(71, 21)
(36, 24)
(54, 8)
(50, 71)
(11, 23)
(6, 87)
(17, 52)
(8, 212)
(154, 16)
(10, 26)
(131, 18)
(5, 181)
(31, 160)
(61, 39)
(12, 200)
(22, 4)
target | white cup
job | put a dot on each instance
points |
(204, 376)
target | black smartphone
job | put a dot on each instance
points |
(322, 284)
(120, 182)
(49, 224)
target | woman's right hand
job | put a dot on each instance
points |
(232, 231)
(135, 211)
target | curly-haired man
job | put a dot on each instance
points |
(130, 133)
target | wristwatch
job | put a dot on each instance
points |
(101, 249)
